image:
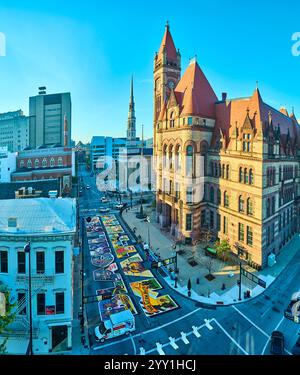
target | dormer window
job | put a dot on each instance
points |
(172, 120)
(247, 142)
(190, 120)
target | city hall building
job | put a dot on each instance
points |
(242, 152)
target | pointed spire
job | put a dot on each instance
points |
(167, 46)
(131, 122)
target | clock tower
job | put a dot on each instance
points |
(167, 68)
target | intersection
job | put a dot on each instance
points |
(244, 329)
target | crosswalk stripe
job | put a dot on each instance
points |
(159, 349)
(208, 325)
(195, 332)
(184, 339)
(173, 344)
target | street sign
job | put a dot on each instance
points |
(253, 278)
(165, 262)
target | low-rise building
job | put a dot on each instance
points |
(46, 163)
(49, 225)
(7, 164)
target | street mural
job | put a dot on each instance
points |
(152, 304)
(116, 304)
(102, 261)
(133, 266)
(122, 252)
(118, 288)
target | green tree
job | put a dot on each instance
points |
(223, 249)
(7, 319)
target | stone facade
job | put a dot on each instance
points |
(228, 166)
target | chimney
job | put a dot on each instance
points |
(224, 96)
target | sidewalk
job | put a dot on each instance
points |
(208, 292)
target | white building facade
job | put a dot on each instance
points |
(49, 225)
(7, 164)
(14, 131)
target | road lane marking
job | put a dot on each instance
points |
(231, 338)
(173, 344)
(209, 326)
(142, 351)
(275, 329)
(250, 321)
(195, 332)
(159, 349)
(149, 331)
(183, 338)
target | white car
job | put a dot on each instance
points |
(104, 200)
(87, 187)
(119, 206)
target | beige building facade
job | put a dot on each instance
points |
(227, 166)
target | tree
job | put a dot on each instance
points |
(223, 249)
(7, 319)
(208, 263)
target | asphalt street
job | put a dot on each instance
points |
(243, 329)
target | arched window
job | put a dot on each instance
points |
(251, 177)
(29, 163)
(178, 158)
(219, 169)
(249, 207)
(172, 120)
(226, 199)
(171, 156)
(52, 162)
(189, 161)
(246, 176)
(165, 156)
(227, 171)
(36, 163)
(215, 169)
(211, 168)
(241, 175)
(223, 171)
(212, 195)
(219, 196)
(22, 164)
(44, 163)
(60, 162)
(241, 204)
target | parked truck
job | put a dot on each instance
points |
(118, 324)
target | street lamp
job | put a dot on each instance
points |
(27, 249)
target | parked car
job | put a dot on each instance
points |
(296, 347)
(104, 200)
(277, 343)
(87, 187)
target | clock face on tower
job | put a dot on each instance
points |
(171, 85)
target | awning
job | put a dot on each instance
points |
(211, 250)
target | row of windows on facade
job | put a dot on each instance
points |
(39, 262)
(241, 233)
(183, 121)
(270, 230)
(284, 197)
(44, 163)
(41, 305)
(285, 173)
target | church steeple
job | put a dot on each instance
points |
(131, 123)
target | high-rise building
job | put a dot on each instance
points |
(226, 166)
(14, 131)
(48, 115)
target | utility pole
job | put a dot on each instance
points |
(240, 283)
(27, 249)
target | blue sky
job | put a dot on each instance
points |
(91, 49)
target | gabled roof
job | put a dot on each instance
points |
(168, 45)
(197, 95)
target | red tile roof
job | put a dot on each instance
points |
(195, 94)
(168, 44)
